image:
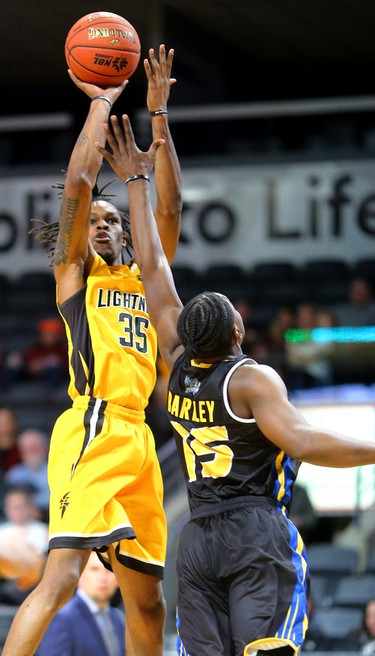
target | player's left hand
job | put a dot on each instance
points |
(126, 159)
(159, 78)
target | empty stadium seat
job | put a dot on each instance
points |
(354, 591)
(284, 292)
(331, 562)
(370, 563)
(5, 290)
(34, 291)
(335, 629)
(327, 270)
(320, 590)
(228, 279)
(187, 280)
(276, 271)
(365, 268)
(329, 558)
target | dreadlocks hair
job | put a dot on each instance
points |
(205, 326)
(46, 233)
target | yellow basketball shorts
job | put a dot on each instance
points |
(106, 485)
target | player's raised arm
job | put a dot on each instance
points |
(167, 166)
(73, 251)
(133, 167)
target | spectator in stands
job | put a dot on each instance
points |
(32, 470)
(9, 429)
(251, 336)
(22, 524)
(80, 627)
(306, 315)
(326, 318)
(255, 341)
(309, 360)
(2, 358)
(367, 638)
(302, 513)
(46, 360)
(283, 320)
(359, 310)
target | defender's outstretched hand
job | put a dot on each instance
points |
(126, 159)
(159, 78)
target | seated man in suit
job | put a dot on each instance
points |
(87, 625)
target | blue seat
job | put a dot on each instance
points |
(335, 629)
(354, 591)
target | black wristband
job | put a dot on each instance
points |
(159, 111)
(102, 98)
(140, 176)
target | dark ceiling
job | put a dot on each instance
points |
(226, 51)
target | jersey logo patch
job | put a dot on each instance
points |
(64, 503)
(191, 385)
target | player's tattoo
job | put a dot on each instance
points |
(82, 139)
(68, 212)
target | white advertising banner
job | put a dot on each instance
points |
(233, 214)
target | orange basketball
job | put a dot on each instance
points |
(102, 48)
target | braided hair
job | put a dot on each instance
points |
(47, 233)
(205, 326)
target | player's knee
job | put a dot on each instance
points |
(161, 609)
(59, 590)
(155, 608)
(152, 609)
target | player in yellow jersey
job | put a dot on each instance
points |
(105, 480)
(242, 567)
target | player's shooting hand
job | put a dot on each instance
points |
(125, 158)
(159, 78)
(92, 90)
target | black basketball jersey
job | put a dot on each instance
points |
(223, 456)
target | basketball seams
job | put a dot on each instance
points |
(103, 23)
(105, 77)
(112, 75)
(99, 47)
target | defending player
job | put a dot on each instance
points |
(242, 567)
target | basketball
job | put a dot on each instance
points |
(103, 49)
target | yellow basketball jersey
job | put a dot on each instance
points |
(112, 344)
